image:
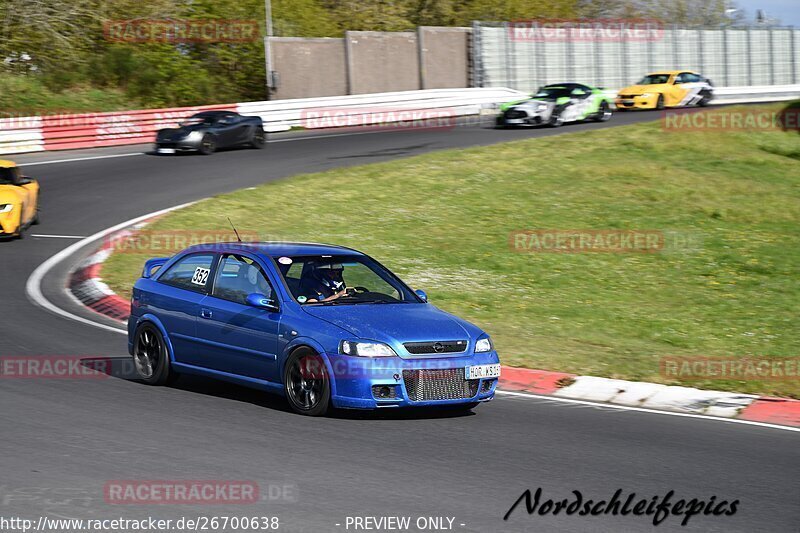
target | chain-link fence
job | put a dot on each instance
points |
(525, 56)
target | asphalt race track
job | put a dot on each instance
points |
(62, 441)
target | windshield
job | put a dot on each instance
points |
(552, 93)
(9, 176)
(199, 121)
(341, 280)
(654, 79)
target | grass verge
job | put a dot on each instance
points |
(726, 284)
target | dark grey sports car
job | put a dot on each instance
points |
(206, 131)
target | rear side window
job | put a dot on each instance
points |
(239, 276)
(193, 272)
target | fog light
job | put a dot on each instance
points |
(487, 385)
(384, 392)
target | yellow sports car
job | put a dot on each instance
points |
(19, 200)
(676, 88)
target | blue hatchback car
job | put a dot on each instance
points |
(325, 325)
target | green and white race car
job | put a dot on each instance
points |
(553, 105)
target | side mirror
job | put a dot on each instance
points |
(422, 294)
(262, 302)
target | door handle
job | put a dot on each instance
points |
(205, 313)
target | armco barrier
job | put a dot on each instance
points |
(93, 130)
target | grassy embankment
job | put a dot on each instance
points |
(442, 222)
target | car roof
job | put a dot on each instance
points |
(276, 249)
(214, 113)
(5, 163)
(670, 72)
(566, 86)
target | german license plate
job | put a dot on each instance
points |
(482, 371)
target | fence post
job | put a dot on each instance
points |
(348, 62)
(726, 57)
(421, 56)
(477, 55)
(771, 57)
(675, 59)
(749, 57)
(793, 44)
(701, 52)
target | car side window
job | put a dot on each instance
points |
(239, 276)
(191, 273)
(680, 78)
(691, 78)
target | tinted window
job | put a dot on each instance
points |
(238, 277)
(10, 176)
(654, 79)
(191, 272)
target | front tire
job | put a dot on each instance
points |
(604, 113)
(208, 145)
(258, 138)
(150, 356)
(660, 102)
(306, 383)
(556, 120)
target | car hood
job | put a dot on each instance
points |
(10, 194)
(395, 324)
(181, 131)
(534, 103)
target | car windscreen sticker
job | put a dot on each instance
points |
(285, 260)
(302, 299)
(200, 276)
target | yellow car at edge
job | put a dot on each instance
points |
(19, 200)
(674, 88)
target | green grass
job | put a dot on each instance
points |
(24, 96)
(442, 222)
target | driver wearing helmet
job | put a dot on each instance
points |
(326, 283)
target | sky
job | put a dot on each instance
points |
(788, 11)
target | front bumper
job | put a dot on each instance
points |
(177, 146)
(9, 223)
(536, 119)
(637, 102)
(357, 380)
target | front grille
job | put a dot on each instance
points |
(515, 113)
(447, 384)
(435, 347)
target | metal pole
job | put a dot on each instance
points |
(268, 46)
(794, 54)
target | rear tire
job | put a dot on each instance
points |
(208, 145)
(705, 99)
(306, 383)
(151, 357)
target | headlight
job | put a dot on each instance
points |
(5, 208)
(366, 349)
(647, 95)
(194, 136)
(483, 345)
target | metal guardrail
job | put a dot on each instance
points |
(91, 130)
